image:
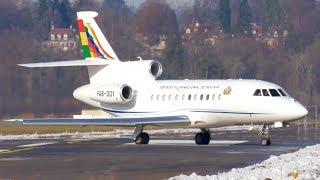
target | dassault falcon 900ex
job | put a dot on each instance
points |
(129, 91)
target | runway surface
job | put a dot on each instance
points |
(166, 155)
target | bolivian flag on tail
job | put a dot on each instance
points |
(90, 43)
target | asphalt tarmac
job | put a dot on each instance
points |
(166, 155)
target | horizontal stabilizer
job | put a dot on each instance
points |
(163, 120)
(86, 62)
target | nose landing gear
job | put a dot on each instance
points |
(264, 133)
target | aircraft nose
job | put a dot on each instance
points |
(76, 94)
(301, 111)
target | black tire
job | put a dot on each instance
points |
(139, 139)
(202, 138)
(145, 138)
(269, 142)
(142, 138)
(198, 138)
(265, 142)
(206, 138)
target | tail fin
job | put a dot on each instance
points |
(94, 44)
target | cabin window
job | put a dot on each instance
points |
(257, 93)
(164, 97)
(177, 97)
(195, 97)
(208, 96)
(158, 97)
(274, 92)
(213, 97)
(281, 92)
(189, 97)
(219, 97)
(170, 97)
(152, 97)
(201, 97)
(183, 97)
(265, 92)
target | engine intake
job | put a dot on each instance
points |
(155, 69)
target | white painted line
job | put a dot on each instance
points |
(14, 159)
(37, 144)
(3, 150)
(190, 142)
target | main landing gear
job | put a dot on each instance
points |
(264, 133)
(203, 138)
(139, 136)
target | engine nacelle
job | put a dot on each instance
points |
(155, 69)
(112, 94)
(129, 71)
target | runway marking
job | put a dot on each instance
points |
(80, 140)
(74, 141)
(2, 150)
(37, 144)
(16, 150)
(14, 159)
(191, 142)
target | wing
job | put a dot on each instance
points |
(86, 62)
(161, 120)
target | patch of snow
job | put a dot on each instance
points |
(117, 133)
(305, 161)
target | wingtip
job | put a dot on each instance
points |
(13, 120)
(23, 65)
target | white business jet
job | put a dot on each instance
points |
(130, 92)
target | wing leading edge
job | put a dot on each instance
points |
(86, 62)
(163, 120)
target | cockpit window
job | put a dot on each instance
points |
(265, 92)
(281, 92)
(274, 92)
(257, 92)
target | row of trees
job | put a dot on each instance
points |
(236, 16)
(292, 65)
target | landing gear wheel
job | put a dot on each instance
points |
(142, 138)
(198, 138)
(202, 138)
(206, 138)
(265, 142)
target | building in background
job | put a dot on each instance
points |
(61, 39)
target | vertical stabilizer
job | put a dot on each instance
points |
(94, 44)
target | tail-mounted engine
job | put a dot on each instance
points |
(112, 94)
(155, 69)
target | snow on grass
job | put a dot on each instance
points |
(305, 161)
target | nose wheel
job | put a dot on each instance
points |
(203, 138)
(265, 142)
(264, 133)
